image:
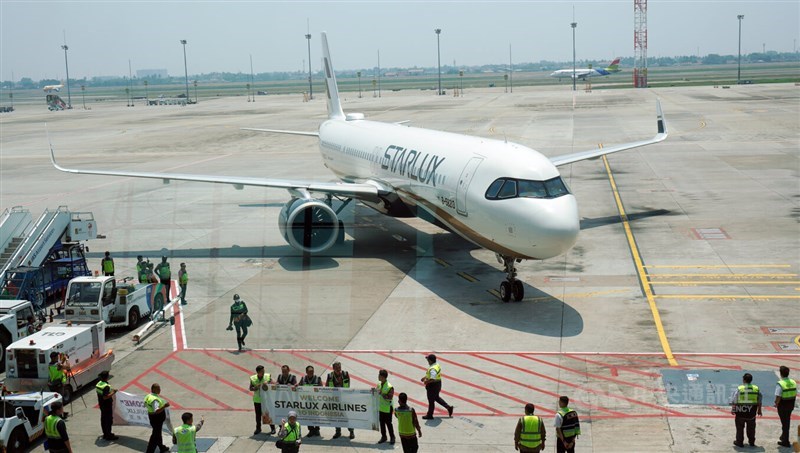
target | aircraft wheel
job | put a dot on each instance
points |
(505, 291)
(517, 290)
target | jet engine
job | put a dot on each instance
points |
(309, 225)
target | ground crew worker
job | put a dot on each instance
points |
(290, 434)
(57, 374)
(286, 378)
(568, 427)
(56, 430)
(105, 398)
(385, 406)
(107, 265)
(257, 381)
(407, 423)
(745, 404)
(141, 270)
(339, 378)
(239, 319)
(183, 280)
(164, 275)
(785, 395)
(433, 385)
(185, 436)
(530, 433)
(311, 379)
(156, 407)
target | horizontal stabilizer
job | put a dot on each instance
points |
(279, 131)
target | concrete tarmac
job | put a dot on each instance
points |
(693, 267)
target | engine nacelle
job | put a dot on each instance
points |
(309, 225)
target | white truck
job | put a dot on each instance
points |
(22, 421)
(92, 299)
(14, 316)
(82, 345)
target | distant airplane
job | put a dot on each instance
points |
(584, 73)
(501, 196)
(49, 88)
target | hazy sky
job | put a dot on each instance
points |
(103, 35)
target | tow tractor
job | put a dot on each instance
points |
(14, 316)
(23, 417)
(93, 299)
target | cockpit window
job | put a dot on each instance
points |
(505, 188)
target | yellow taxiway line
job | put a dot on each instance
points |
(724, 296)
(651, 276)
(717, 266)
(637, 259)
(723, 282)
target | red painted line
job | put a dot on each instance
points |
(530, 387)
(227, 362)
(213, 376)
(757, 362)
(178, 325)
(646, 362)
(614, 367)
(712, 365)
(172, 403)
(193, 390)
(147, 371)
(583, 387)
(140, 385)
(259, 356)
(614, 371)
(592, 375)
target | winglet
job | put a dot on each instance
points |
(52, 152)
(662, 125)
(334, 106)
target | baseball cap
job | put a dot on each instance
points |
(292, 414)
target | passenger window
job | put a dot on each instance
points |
(494, 188)
(532, 189)
(556, 187)
(509, 190)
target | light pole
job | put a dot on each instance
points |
(574, 79)
(248, 92)
(185, 69)
(461, 77)
(310, 86)
(439, 59)
(146, 97)
(359, 83)
(739, 65)
(83, 93)
(66, 63)
(195, 91)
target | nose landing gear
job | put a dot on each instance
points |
(511, 287)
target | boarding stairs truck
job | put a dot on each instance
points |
(39, 258)
(82, 345)
(14, 316)
(22, 421)
(54, 102)
(118, 304)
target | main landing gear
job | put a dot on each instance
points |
(511, 287)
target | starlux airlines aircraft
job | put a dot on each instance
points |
(584, 73)
(499, 195)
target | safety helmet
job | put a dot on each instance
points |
(235, 297)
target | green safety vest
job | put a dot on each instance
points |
(570, 425)
(56, 375)
(292, 432)
(140, 271)
(50, 427)
(530, 436)
(164, 272)
(152, 398)
(405, 421)
(184, 278)
(788, 388)
(100, 388)
(108, 265)
(185, 435)
(748, 395)
(345, 380)
(436, 368)
(238, 307)
(385, 405)
(256, 382)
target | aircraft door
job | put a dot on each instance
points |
(463, 184)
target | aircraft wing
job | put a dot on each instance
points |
(358, 191)
(594, 153)
(282, 131)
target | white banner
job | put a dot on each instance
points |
(129, 409)
(323, 406)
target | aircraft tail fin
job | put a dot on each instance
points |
(614, 66)
(334, 106)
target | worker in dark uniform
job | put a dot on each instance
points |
(239, 319)
(156, 407)
(107, 265)
(56, 430)
(339, 378)
(385, 406)
(165, 276)
(257, 381)
(433, 385)
(311, 379)
(785, 396)
(530, 433)
(568, 427)
(407, 425)
(105, 399)
(745, 404)
(286, 378)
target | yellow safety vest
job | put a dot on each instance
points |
(152, 398)
(185, 435)
(108, 265)
(385, 405)
(437, 368)
(255, 382)
(50, 427)
(292, 432)
(164, 272)
(530, 436)
(184, 279)
(788, 388)
(748, 394)
(405, 421)
(56, 375)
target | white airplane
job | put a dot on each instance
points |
(501, 196)
(584, 73)
(49, 88)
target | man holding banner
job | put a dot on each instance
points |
(385, 408)
(339, 378)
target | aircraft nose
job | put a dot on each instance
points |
(557, 227)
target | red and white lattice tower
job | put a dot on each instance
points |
(640, 43)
